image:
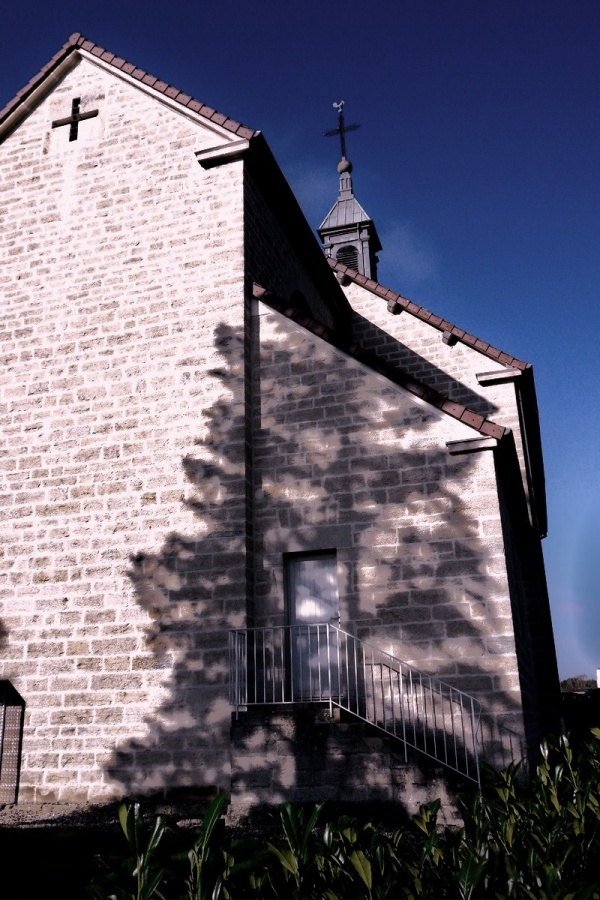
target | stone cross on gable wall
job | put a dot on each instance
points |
(74, 119)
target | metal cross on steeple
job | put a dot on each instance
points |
(342, 128)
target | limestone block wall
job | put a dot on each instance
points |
(302, 756)
(346, 461)
(272, 260)
(122, 445)
(418, 348)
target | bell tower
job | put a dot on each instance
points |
(347, 233)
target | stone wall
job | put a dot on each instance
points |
(418, 348)
(306, 757)
(122, 445)
(275, 262)
(346, 461)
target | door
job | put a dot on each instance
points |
(313, 604)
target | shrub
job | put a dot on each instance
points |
(536, 838)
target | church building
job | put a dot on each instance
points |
(267, 525)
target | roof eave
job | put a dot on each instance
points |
(283, 203)
(524, 386)
(394, 374)
(79, 47)
(17, 108)
(420, 312)
(532, 448)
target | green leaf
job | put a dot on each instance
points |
(156, 836)
(123, 817)
(211, 817)
(291, 825)
(363, 867)
(286, 858)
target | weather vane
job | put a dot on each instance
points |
(342, 128)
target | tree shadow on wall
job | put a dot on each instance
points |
(399, 354)
(328, 450)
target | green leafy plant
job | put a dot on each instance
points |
(300, 857)
(210, 862)
(139, 876)
(538, 839)
(535, 837)
(361, 860)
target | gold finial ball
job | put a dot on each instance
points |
(344, 165)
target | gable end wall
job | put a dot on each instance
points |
(122, 447)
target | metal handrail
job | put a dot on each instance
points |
(322, 663)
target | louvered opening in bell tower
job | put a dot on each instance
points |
(348, 255)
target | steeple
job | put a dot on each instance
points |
(348, 234)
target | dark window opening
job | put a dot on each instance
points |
(348, 255)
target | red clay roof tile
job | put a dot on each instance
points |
(77, 41)
(378, 364)
(472, 418)
(491, 429)
(450, 406)
(426, 316)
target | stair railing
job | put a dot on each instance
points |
(322, 663)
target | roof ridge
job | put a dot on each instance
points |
(420, 312)
(394, 373)
(78, 42)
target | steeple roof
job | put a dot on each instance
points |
(348, 234)
(347, 210)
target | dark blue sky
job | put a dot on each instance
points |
(478, 157)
